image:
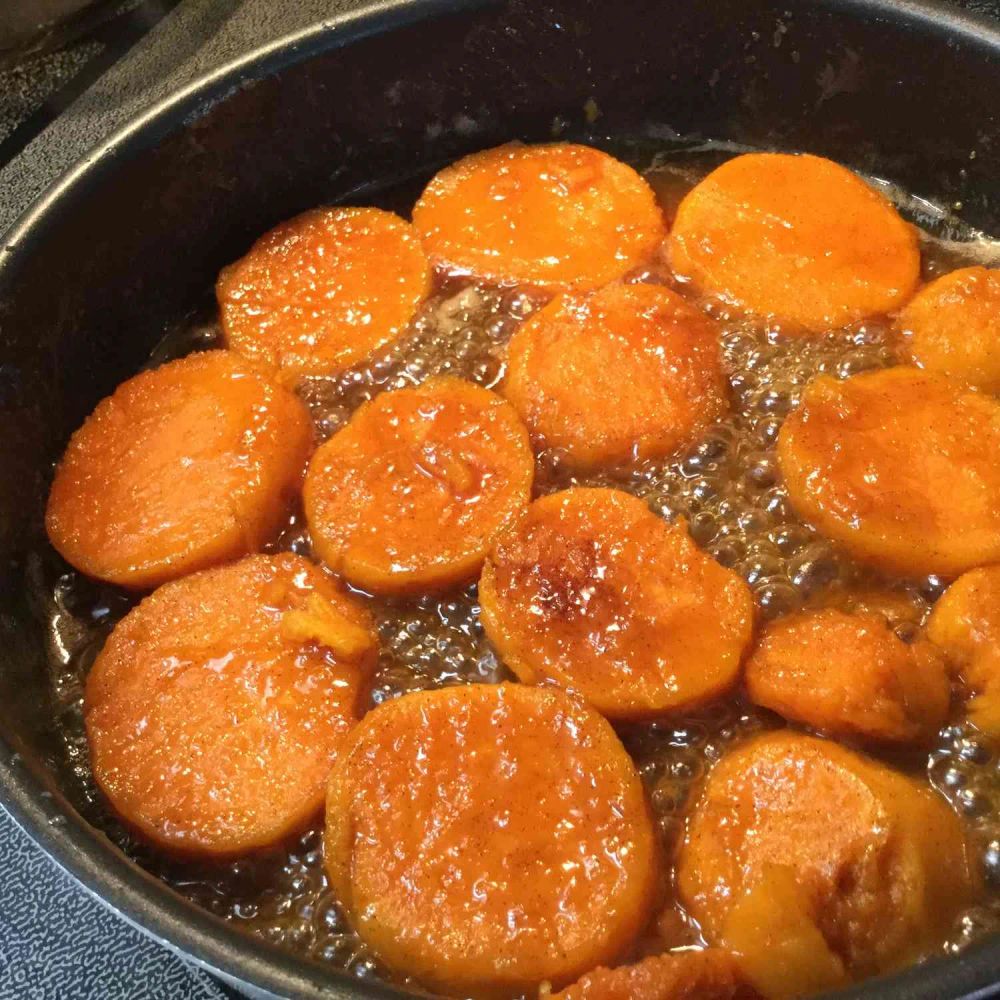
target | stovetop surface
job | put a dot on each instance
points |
(42, 73)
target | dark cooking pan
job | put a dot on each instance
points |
(131, 239)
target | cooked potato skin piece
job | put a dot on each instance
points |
(965, 623)
(592, 591)
(211, 731)
(849, 675)
(883, 882)
(408, 496)
(711, 974)
(183, 467)
(557, 216)
(901, 467)
(487, 838)
(631, 371)
(797, 237)
(953, 326)
(320, 292)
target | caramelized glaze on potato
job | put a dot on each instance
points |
(216, 706)
(631, 371)
(901, 467)
(953, 326)
(557, 216)
(408, 496)
(849, 675)
(182, 468)
(320, 292)
(594, 592)
(881, 861)
(711, 974)
(965, 623)
(796, 237)
(488, 838)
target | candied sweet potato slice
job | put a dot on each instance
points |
(797, 237)
(965, 623)
(630, 371)
(594, 592)
(488, 838)
(212, 727)
(881, 862)
(850, 675)
(901, 467)
(183, 467)
(408, 496)
(557, 216)
(710, 974)
(320, 292)
(953, 326)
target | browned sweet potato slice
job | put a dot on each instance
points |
(320, 292)
(849, 675)
(408, 496)
(215, 708)
(902, 467)
(881, 862)
(557, 216)
(965, 623)
(953, 326)
(711, 974)
(632, 370)
(593, 591)
(796, 237)
(488, 838)
(181, 468)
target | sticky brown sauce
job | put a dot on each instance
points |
(726, 486)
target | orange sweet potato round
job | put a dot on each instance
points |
(796, 237)
(953, 326)
(711, 974)
(592, 591)
(556, 216)
(965, 623)
(408, 496)
(320, 292)
(215, 709)
(488, 838)
(901, 467)
(879, 861)
(183, 467)
(849, 675)
(632, 370)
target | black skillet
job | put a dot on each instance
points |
(130, 239)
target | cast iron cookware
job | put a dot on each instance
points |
(130, 239)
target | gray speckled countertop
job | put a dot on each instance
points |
(58, 942)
